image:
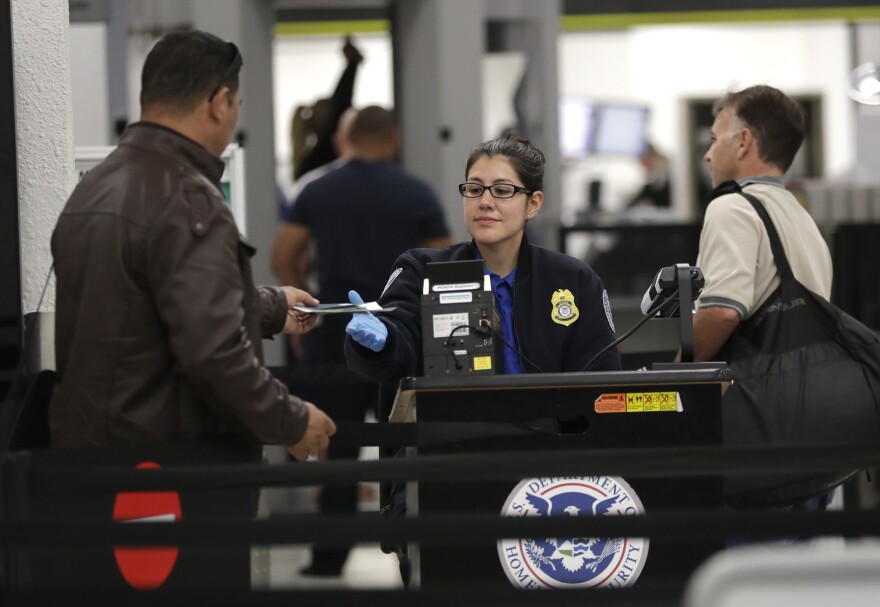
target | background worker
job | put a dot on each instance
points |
(358, 218)
(503, 191)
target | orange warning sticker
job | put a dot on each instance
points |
(611, 403)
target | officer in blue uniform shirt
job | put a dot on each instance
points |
(554, 310)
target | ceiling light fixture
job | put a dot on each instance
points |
(864, 84)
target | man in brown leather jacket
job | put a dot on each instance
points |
(159, 323)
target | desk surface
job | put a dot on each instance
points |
(411, 386)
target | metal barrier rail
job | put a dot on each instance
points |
(462, 596)
(458, 529)
(49, 477)
(476, 467)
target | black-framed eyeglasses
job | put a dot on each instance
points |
(231, 71)
(499, 190)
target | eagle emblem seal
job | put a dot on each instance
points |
(564, 310)
(575, 562)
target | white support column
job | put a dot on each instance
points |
(538, 25)
(118, 24)
(44, 136)
(542, 94)
(866, 49)
(438, 46)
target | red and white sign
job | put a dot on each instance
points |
(147, 567)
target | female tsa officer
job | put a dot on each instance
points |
(554, 310)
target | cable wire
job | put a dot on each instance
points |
(645, 319)
(449, 344)
(519, 353)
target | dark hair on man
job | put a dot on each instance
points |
(526, 159)
(373, 123)
(187, 67)
(776, 120)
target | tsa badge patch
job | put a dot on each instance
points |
(575, 562)
(564, 310)
(607, 305)
(391, 279)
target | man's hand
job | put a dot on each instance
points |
(317, 435)
(298, 323)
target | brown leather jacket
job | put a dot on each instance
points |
(158, 322)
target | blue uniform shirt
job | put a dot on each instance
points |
(502, 288)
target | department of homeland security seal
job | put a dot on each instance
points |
(578, 562)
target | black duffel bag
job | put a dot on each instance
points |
(805, 373)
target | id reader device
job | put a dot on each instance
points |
(459, 320)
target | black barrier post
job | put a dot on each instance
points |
(10, 255)
(686, 312)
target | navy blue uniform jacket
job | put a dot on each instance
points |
(553, 347)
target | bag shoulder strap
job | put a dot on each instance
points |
(782, 265)
(732, 187)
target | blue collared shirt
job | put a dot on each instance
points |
(502, 288)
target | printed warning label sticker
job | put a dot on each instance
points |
(611, 403)
(638, 402)
(482, 363)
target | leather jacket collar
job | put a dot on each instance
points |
(158, 138)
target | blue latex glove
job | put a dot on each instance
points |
(366, 329)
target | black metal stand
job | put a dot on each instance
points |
(686, 312)
(677, 287)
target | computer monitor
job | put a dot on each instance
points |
(589, 127)
(620, 129)
(576, 120)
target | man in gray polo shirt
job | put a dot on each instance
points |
(755, 137)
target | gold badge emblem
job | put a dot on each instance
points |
(564, 310)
